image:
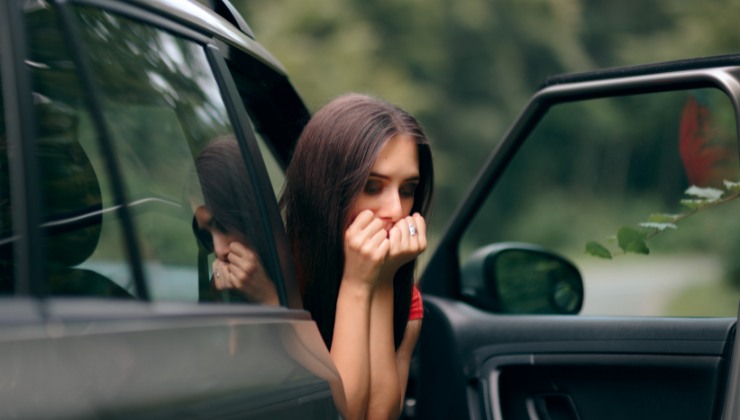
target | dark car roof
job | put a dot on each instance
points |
(219, 20)
(643, 69)
(206, 20)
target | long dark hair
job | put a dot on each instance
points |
(226, 189)
(329, 169)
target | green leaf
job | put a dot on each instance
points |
(663, 218)
(694, 204)
(732, 186)
(598, 250)
(660, 226)
(639, 247)
(711, 194)
(632, 240)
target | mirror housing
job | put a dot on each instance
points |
(516, 278)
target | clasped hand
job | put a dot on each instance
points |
(243, 271)
(372, 253)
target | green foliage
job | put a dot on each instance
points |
(634, 240)
(598, 250)
(466, 68)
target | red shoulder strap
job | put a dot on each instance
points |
(417, 309)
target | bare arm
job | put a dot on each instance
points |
(385, 389)
(388, 367)
(403, 355)
(366, 247)
(350, 350)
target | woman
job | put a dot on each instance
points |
(224, 222)
(357, 190)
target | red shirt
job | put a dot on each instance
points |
(417, 309)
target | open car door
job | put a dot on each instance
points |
(591, 272)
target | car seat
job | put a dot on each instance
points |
(72, 203)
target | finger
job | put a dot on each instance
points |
(403, 229)
(237, 259)
(354, 232)
(384, 248)
(226, 276)
(355, 238)
(362, 220)
(394, 235)
(238, 248)
(421, 231)
(378, 245)
(239, 277)
(375, 226)
(218, 275)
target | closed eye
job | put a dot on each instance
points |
(373, 187)
(408, 190)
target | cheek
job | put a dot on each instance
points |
(407, 205)
(232, 237)
(363, 202)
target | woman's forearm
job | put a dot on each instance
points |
(385, 391)
(350, 350)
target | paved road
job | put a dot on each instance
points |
(641, 285)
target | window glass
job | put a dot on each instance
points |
(259, 100)
(639, 192)
(274, 170)
(185, 182)
(71, 169)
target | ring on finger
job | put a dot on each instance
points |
(412, 229)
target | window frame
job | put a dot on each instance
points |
(442, 275)
(283, 130)
(28, 242)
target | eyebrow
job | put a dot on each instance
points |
(377, 175)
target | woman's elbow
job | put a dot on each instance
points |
(385, 406)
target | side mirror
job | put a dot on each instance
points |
(514, 278)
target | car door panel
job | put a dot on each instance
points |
(165, 361)
(514, 367)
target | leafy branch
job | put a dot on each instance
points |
(634, 239)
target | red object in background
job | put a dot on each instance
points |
(706, 158)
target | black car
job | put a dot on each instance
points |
(108, 108)
(106, 310)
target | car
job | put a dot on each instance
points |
(591, 271)
(106, 309)
(545, 297)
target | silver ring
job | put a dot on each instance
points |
(412, 229)
(218, 273)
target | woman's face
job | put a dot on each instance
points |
(214, 236)
(390, 187)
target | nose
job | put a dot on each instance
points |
(391, 208)
(220, 245)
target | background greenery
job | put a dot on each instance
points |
(466, 68)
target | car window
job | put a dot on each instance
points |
(639, 191)
(181, 165)
(257, 98)
(274, 170)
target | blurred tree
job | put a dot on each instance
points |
(467, 67)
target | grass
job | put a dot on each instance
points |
(716, 299)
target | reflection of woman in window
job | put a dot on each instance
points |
(356, 194)
(226, 223)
